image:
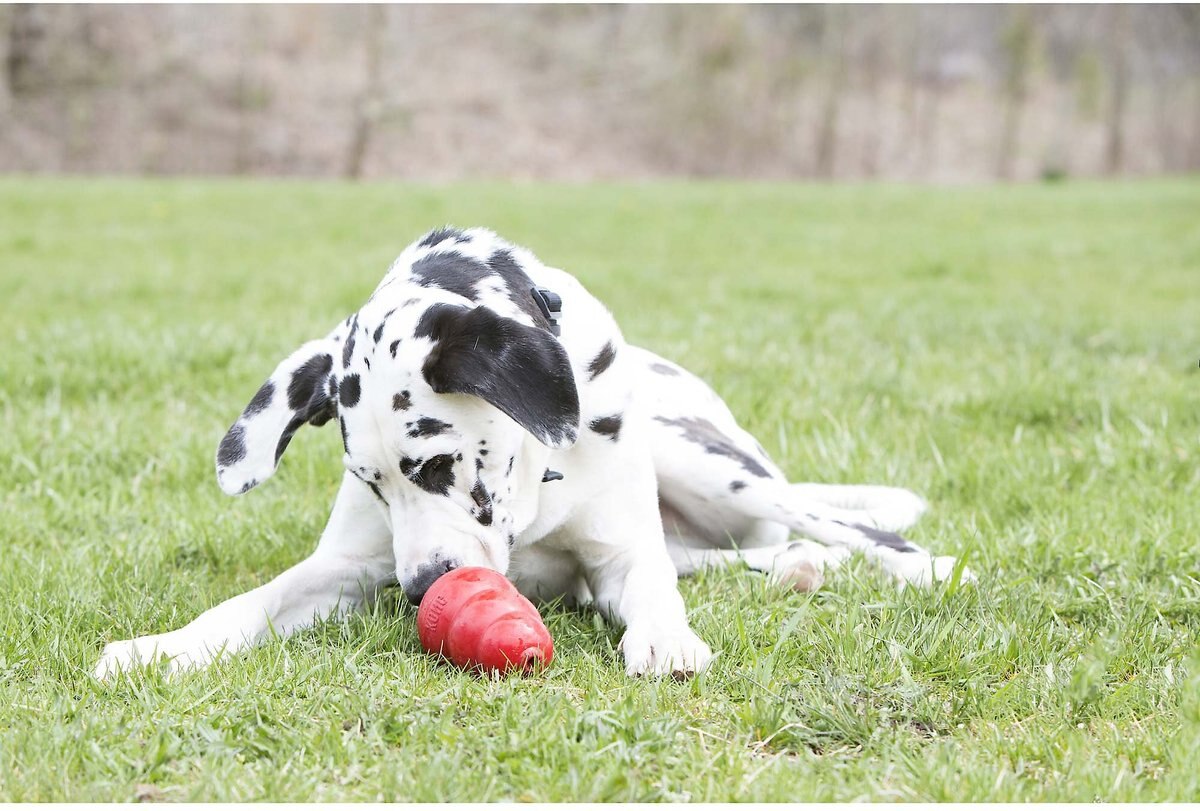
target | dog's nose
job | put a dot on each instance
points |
(416, 586)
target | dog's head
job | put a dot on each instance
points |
(447, 413)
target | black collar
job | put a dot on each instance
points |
(550, 303)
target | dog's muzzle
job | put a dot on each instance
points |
(416, 586)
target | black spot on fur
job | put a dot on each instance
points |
(350, 391)
(664, 369)
(378, 333)
(233, 446)
(483, 452)
(520, 286)
(708, 436)
(408, 465)
(889, 539)
(461, 275)
(378, 493)
(401, 401)
(452, 272)
(429, 426)
(602, 361)
(392, 348)
(607, 426)
(737, 486)
(436, 475)
(441, 235)
(348, 348)
(345, 438)
(261, 400)
(511, 460)
(483, 500)
(306, 379)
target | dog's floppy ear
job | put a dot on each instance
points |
(523, 371)
(300, 390)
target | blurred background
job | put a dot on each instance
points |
(945, 94)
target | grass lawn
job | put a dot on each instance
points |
(1025, 357)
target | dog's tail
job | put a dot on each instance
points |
(890, 508)
(858, 518)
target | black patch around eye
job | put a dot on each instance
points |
(664, 369)
(607, 426)
(348, 349)
(392, 348)
(602, 361)
(233, 446)
(429, 426)
(736, 486)
(305, 380)
(441, 235)
(350, 389)
(436, 475)
(709, 437)
(401, 401)
(261, 400)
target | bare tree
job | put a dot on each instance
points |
(1118, 36)
(833, 46)
(1017, 44)
(370, 101)
(26, 36)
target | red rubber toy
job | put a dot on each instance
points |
(478, 620)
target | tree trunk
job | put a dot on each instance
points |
(369, 103)
(1018, 48)
(26, 30)
(827, 132)
(1118, 42)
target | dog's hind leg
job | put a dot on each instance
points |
(715, 476)
(352, 563)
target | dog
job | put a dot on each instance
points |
(492, 415)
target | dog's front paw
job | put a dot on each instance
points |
(655, 651)
(132, 653)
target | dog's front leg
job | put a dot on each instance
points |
(625, 561)
(352, 562)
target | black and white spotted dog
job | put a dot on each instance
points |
(480, 429)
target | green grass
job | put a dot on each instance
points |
(1025, 357)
